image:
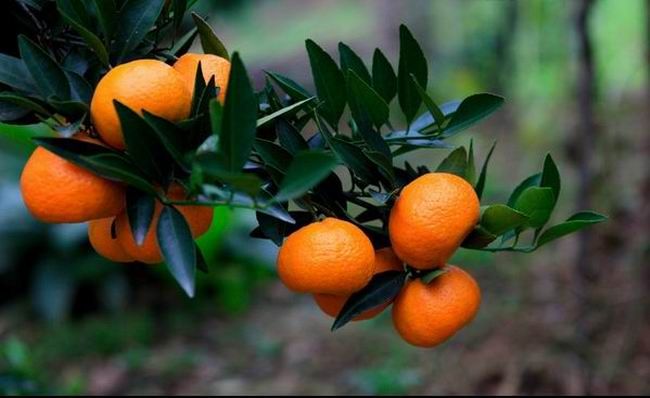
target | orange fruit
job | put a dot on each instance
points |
(385, 260)
(57, 191)
(430, 219)
(211, 65)
(329, 256)
(99, 235)
(426, 315)
(144, 84)
(199, 219)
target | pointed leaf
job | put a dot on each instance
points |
(478, 238)
(46, 72)
(289, 137)
(574, 223)
(497, 219)
(411, 62)
(367, 107)
(531, 181)
(551, 176)
(470, 171)
(384, 80)
(455, 163)
(24, 102)
(89, 37)
(135, 19)
(305, 172)
(184, 43)
(209, 40)
(329, 82)
(432, 107)
(14, 74)
(382, 288)
(471, 110)
(178, 248)
(351, 61)
(537, 203)
(171, 137)
(291, 108)
(293, 89)
(239, 118)
(140, 210)
(480, 184)
(273, 154)
(107, 16)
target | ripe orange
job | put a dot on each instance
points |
(330, 256)
(99, 235)
(211, 65)
(385, 260)
(199, 218)
(430, 219)
(426, 315)
(57, 191)
(144, 84)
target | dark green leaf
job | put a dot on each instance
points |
(199, 90)
(293, 89)
(179, 7)
(551, 177)
(171, 137)
(14, 74)
(289, 137)
(385, 165)
(384, 80)
(382, 288)
(367, 107)
(184, 43)
(89, 37)
(307, 169)
(573, 224)
(537, 203)
(497, 219)
(178, 248)
(470, 171)
(24, 102)
(411, 62)
(291, 108)
(273, 154)
(351, 61)
(81, 90)
(10, 112)
(209, 40)
(136, 18)
(470, 111)
(239, 118)
(432, 107)
(478, 238)
(480, 184)
(100, 160)
(142, 143)
(455, 163)
(431, 275)
(140, 209)
(329, 82)
(46, 72)
(107, 15)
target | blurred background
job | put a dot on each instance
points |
(572, 318)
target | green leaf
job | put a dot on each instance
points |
(178, 248)
(532, 181)
(290, 137)
(307, 170)
(81, 90)
(239, 118)
(102, 161)
(455, 163)
(179, 7)
(247, 183)
(574, 223)
(46, 72)
(293, 89)
(431, 275)
(384, 80)
(107, 16)
(480, 184)
(10, 112)
(470, 111)
(89, 37)
(382, 288)
(351, 61)
(368, 108)
(201, 263)
(13, 73)
(551, 176)
(537, 203)
(209, 40)
(216, 117)
(291, 108)
(470, 170)
(142, 143)
(497, 219)
(273, 154)
(433, 109)
(136, 18)
(385, 165)
(140, 209)
(411, 62)
(329, 82)
(170, 136)
(21, 135)
(478, 238)
(24, 102)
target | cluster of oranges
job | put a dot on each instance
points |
(332, 259)
(57, 191)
